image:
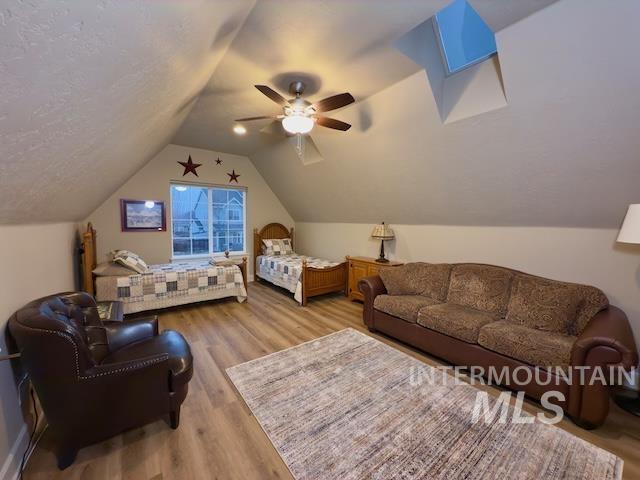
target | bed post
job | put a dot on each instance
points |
(291, 237)
(244, 272)
(89, 259)
(304, 282)
(256, 252)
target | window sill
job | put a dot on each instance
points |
(207, 256)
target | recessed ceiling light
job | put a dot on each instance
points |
(239, 129)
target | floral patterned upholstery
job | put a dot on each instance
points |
(427, 279)
(405, 307)
(482, 287)
(535, 347)
(460, 322)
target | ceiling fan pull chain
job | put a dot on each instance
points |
(300, 144)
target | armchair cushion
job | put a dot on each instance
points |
(168, 342)
(535, 347)
(459, 322)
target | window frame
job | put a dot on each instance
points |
(210, 187)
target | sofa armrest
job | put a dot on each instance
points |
(607, 332)
(370, 287)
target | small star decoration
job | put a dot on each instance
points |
(233, 176)
(218, 161)
(189, 166)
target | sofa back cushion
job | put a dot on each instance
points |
(426, 279)
(553, 306)
(483, 287)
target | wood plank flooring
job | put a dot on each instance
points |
(218, 438)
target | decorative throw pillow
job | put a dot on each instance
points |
(130, 260)
(543, 304)
(277, 246)
(427, 279)
(112, 269)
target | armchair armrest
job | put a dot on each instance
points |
(148, 365)
(121, 334)
(609, 329)
(370, 287)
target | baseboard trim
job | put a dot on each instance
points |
(11, 466)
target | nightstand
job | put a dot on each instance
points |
(360, 267)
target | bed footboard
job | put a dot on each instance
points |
(318, 281)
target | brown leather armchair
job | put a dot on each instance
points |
(94, 379)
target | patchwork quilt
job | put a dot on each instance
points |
(170, 284)
(286, 270)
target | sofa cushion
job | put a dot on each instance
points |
(535, 347)
(542, 304)
(460, 322)
(427, 279)
(592, 301)
(483, 287)
(405, 307)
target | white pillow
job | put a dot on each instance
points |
(130, 260)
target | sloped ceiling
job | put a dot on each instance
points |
(565, 151)
(335, 45)
(91, 90)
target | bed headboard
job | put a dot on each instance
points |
(89, 259)
(273, 230)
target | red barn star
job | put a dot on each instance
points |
(189, 166)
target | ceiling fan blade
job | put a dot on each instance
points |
(332, 103)
(332, 123)
(248, 119)
(273, 95)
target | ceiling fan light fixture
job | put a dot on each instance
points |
(239, 129)
(298, 124)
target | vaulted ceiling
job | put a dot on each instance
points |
(92, 90)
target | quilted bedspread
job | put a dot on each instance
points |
(285, 270)
(170, 284)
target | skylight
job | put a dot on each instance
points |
(465, 39)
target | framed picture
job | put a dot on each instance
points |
(142, 216)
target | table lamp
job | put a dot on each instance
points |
(382, 232)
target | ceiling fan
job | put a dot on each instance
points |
(299, 115)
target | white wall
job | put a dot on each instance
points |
(152, 183)
(36, 260)
(581, 255)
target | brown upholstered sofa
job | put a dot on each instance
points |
(488, 316)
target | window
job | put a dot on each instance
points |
(207, 220)
(465, 39)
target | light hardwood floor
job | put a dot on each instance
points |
(218, 438)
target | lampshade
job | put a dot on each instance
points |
(382, 232)
(630, 230)
(297, 124)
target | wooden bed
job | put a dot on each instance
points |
(315, 281)
(159, 274)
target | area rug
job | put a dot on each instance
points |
(346, 406)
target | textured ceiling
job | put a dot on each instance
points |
(337, 45)
(565, 151)
(91, 90)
